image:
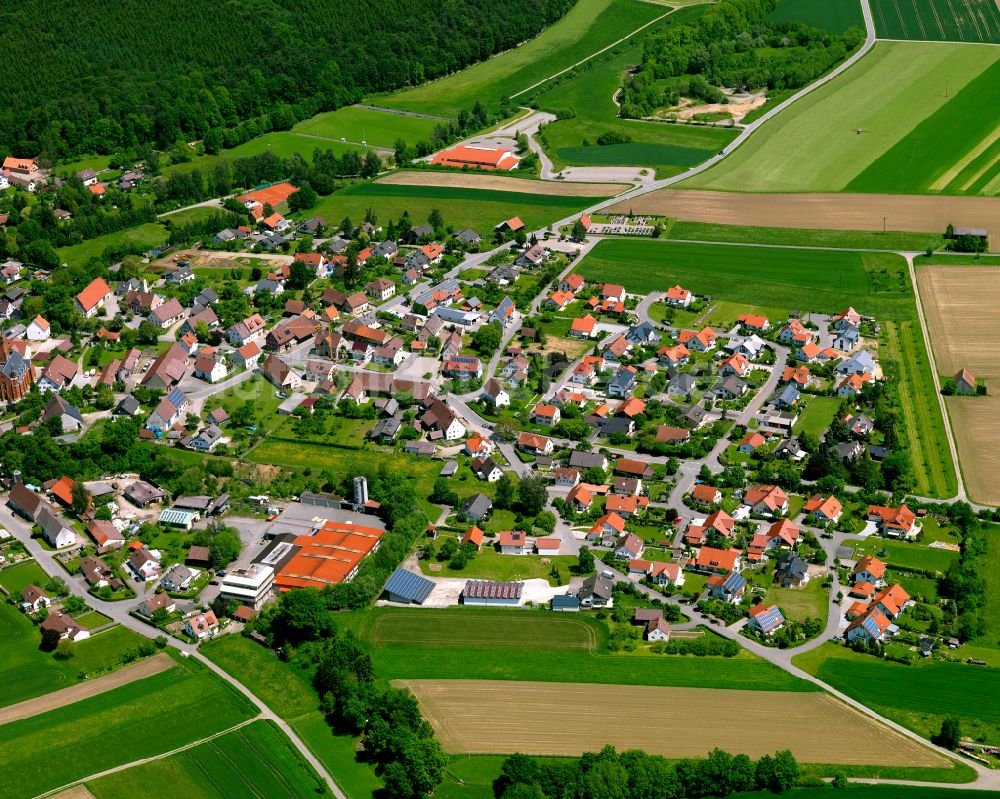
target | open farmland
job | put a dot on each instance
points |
(479, 209)
(911, 213)
(807, 280)
(495, 182)
(835, 16)
(511, 644)
(825, 140)
(533, 718)
(938, 20)
(589, 93)
(255, 760)
(920, 696)
(955, 149)
(960, 306)
(356, 124)
(590, 26)
(44, 751)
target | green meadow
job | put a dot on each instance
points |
(146, 236)
(590, 26)
(378, 128)
(479, 209)
(830, 137)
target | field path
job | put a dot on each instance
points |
(144, 760)
(961, 494)
(85, 690)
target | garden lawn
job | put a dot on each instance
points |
(44, 751)
(146, 236)
(16, 578)
(590, 26)
(489, 564)
(480, 209)
(517, 644)
(104, 651)
(816, 415)
(807, 280)
(799, 604)
(257, 760)
(665, 147)
(904, 555)
(920, 696)
(908, 78)
(847, 239)
(835, 16)
(27, 671)
(287, 690)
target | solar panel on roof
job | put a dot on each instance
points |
(409, 585)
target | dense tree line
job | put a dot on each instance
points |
(732, 44)
(637, 775)
(84, 77)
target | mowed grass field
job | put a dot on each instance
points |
(919, 696)
(146, 236)
(479, 209)
(967, 126)
(590, 26)
(533, 718)
(27, 672)
(938, 20)
(16, 578)
(256, 760)
(144, 718)
(513, 644)
(377, 128)
(835, 16)
(960, 307)
(815, 145)
(806, 280)
(667, 148)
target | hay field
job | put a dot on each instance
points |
(476, 180)
(938, 20)
(910, 213)
(815, 145)
(960, 307)
(473, 716)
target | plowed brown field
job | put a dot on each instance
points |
(907, 213)
(500, 717)
(960, 305)
(475, 180)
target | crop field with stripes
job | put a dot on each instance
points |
(938, 20)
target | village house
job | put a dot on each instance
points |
(766, 500)
(765, 619)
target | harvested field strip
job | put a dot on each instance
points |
(985, 149)
(99, 685)
(533, 718)
(975, 174)
(473, 180)
(902, 344)
(909, 213)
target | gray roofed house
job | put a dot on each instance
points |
(596, 591)
(643, 333)
(860, 425)
(696, 415)
(207, 439)
(408, 587)
(468, 236)
(788, 449)
(425, 449)
(792, 571)
(877, 452)
(859, 363)
(205, 298)
(387, 428)
(69, 416)
(729, 388)
(179, 577)
(140, 493)
(503, 275)
(622, 384)
(565, 603)
(129, 406)
(610, 425)
(849, 450)
(681, 385)
(385, 249)
(476, 507)
(449, 469)
(784, 397)
(587, 460)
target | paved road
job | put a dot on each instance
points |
(118, 611)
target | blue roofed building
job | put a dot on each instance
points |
(504, 312)
(765, 619)
(408, 588)
(727, 587)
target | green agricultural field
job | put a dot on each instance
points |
(846, 239)
(512, 644)
(954, 150)
(103, 651)
(377, 128)
(590, 26)
(288, 691)
(815, 145)
(937, 20)
(27, 671)
(479, 209)
(905, 555)
(835, 16)
(817, 415)
(146, 236)
(807, 280)
(16, 578)
(256, 760)
(905, 359)
(44, 751)
(668, 148)
(919, 696)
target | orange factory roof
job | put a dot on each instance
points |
(328, 557)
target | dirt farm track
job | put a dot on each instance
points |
(500, 717)
(902, 212)
(474, 180)
(960, 304)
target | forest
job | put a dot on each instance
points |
(83, 77)
(732, 44)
